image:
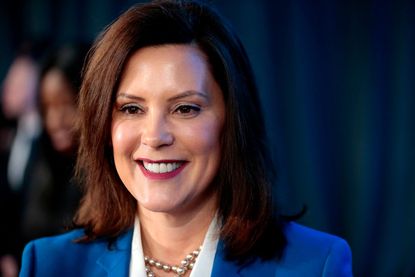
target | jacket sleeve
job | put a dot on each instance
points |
(28, 261)
(339, 260)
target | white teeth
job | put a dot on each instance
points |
(161, 167)
(156, 168)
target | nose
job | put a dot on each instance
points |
(156, 133)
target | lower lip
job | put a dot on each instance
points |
(161, 176)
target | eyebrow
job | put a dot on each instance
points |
(179, 96)
(190, 93)
(129, 96)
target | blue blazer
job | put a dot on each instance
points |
(308, 253)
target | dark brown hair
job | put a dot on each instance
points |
(250, 227)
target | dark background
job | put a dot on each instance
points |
(338, 88)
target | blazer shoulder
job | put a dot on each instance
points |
(316, 251)
(64, 244)
(300, 234)
(65, 239)
(308, 253)
(60, 255)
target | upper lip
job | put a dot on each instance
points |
(160, 161)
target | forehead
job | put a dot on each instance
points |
(166, 65)
(54, 85)
(184, 53)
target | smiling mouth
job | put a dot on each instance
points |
(160, 170)
(161, 167)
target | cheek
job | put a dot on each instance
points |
(70, 115)
(123, 139)
(204, 139)
(65, 117)
(49, 119)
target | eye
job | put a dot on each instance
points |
(187, 110)
(131, 109)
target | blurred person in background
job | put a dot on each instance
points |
(19, 134)
(43, 199)
(19, 107)
(52, 196)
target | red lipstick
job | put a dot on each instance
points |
(161, 176)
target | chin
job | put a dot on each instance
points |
(64, 149)
(160, 207)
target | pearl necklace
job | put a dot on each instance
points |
(185, 265)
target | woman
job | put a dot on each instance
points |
(52, 197)
(174, 161)
(58, 93)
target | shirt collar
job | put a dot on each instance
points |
(204, 262)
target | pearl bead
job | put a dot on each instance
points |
(158, 265)
(184, 263)
(180, 270)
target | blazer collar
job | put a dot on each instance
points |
(115, 261)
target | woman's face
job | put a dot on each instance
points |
(166, 127)
(58, 104)
(19, 88)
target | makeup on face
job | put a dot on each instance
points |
(167, 122)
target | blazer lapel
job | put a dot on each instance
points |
(115, 261)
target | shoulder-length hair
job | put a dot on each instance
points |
(250, 227)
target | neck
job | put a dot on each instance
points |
(170, 237)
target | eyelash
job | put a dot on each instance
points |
(130, 109)
(185, 110)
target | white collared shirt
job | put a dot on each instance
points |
(203, 265)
